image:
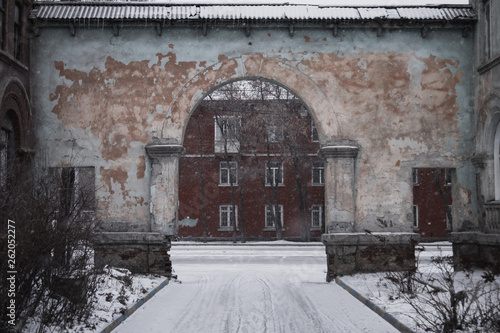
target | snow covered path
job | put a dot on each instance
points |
(252, 289)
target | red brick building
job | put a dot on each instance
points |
(252, 158)
(431, 195)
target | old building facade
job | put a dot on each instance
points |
(389, 90)
(16, 134)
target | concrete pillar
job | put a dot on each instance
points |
(164, 190)
(340, 192)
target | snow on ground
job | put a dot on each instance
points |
(380, 291)
(246, 288)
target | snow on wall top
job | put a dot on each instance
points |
(122, 10)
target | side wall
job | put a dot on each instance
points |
(403, 99)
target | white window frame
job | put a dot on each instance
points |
(321, 173)
(274, 170)
(274, 133)
(317, 210)
(225, 223)
(231, 125)
(415, 217)
(270, 225)
(225, 171)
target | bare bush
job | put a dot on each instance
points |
(53, 277)
(449, 301)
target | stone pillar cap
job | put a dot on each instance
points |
(164, 150)
(339, 151)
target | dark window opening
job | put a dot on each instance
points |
(17, 31)
(2, 20)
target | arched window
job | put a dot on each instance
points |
(7, 147)
(496, 162)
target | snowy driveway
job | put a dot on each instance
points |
(252, 289)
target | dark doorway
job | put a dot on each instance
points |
(432, 202)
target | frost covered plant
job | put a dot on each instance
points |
(449, 301)
(50, 265)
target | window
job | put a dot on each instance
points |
(228, 217)
(318, 173)
(278, 214)
(2, 20)
(76, 190)
(414, 176)
(496, 162)
(7, 149)
(227, 131)
(415, 216)
(317, 216)
(274, 173)
(448, 222)
(228, 173)
(447, 177)
(17, 31)
(314, 132)
(274, 133)
(488, 52)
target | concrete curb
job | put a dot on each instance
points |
(136, 306)
(219, 243)
(372, 306)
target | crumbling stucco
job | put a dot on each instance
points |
(403, 99)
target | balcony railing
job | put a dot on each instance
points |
(492, 217)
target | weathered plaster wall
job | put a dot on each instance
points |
(403, 99)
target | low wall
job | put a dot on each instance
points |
(476, 250)
(139, 252)
(349, 253)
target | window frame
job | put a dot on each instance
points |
(314, 132)
(18, 30)
(2, 23)
(229, 211)
(317, 209)
(267, 225)
(225, 168)
(229, 142)
(274, 133)
(414, 177)
(448, 180)
(496, 162)
(487, 30)
(318, 165)
(271, 169)
(416, 224)
(448, 224)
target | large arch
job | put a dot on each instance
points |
(15, 102)
(250, 67)
(486, 135)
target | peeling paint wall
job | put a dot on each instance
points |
(405, 100)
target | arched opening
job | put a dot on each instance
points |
(9, 144)
(251, 169)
